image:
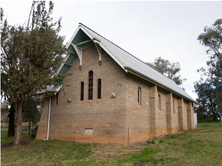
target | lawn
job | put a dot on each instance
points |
(200, 147)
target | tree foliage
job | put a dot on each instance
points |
(212, 39)
(206, 99)
(1, 13)
(30, 56)
(4, 111)
(31, 110)
(171, 70)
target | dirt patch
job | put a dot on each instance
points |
(7, 145)
(24, 145)
(113, 152)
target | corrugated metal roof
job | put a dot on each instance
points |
(129, 62)
(50, 88)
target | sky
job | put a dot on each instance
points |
(146, 29)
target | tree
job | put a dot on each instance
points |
(212, 39)
(1, 14)
(202, 114)
(171, 70)
(31, 110)
(30, 57)
(206, 99)
(4, 112)
(7, 115)
(11, 124)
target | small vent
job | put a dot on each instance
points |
(112, 95)
(89, 131)
(69, 100)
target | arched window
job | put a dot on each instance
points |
(82, 91)
(139, 96)
(174, 107)
(159, 102)
(57, 98)
(99, 89)
(90, 90)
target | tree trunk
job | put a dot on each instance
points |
(11, 126)
(214, 116)
(18, 122)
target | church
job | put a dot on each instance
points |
(110, 96)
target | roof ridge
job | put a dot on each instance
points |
(125, 51)
(111, 42)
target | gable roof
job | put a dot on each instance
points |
(125, 60)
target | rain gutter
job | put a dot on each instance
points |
(134, 72)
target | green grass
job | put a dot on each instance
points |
(4, 137)
(199, 147)
(47, 153)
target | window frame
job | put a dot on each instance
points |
(90, 86)
(174, 109)
(159, 101)
(57, 98)
(99, 89)
(82, 91)
(139, 96)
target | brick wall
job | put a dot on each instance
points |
(106, 116)
(138, 122)
(43, 124)
(116, 120)
(148, 119)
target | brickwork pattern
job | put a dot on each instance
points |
(106, 116)
(112, 120)
(43, 124)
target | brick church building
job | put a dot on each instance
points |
(111, 96)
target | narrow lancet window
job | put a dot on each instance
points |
(159, 102)
(99, 89)
(82, 92)
(174, 107)
(90, 90)
(57, 98)
(139, 96)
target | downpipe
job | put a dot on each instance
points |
(47, 137)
